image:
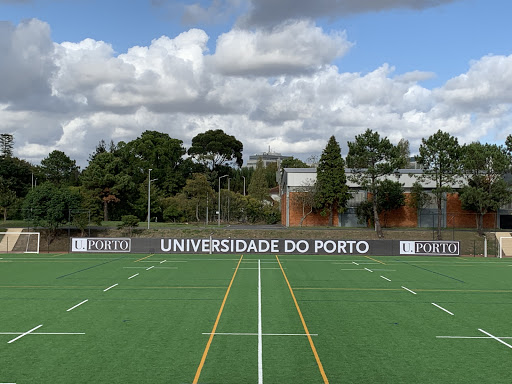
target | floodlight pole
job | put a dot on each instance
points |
(149, 195)
(244, 184)
(219, 198)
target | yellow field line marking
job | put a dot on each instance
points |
(320, 367)
(144, 257)
(205, 353)
(378, 261)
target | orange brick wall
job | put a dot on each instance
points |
(403, 217)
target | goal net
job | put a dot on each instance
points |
(19, 242)
(505, 246)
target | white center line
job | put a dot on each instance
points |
(495, 338)
(369, 270)
(260, 344)
(438, 306)
(147, 269)
(112, 286)
(70, 309)
(131, 277)
(407, 289)
(385, 278)
(24, 334)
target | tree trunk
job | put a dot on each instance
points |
(480, 224)
(5, 214)
(105, 210)
(378, 228)
(439, 217)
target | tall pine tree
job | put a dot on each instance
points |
(332, 190)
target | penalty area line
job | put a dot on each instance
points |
(24, 334)
(70, 309)
(112, 286)
(443, 309)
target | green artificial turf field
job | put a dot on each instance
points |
(102, 318)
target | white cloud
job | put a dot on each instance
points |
(286, 95)
(289, 48)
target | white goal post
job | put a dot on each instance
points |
(505, 246)
(19, 242)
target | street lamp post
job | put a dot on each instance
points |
(219, 198)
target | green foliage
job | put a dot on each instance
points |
(6, 144)
(331, 183)
(17, 175)
(7, 197)
(49, 206)
(439, 156)
(214, 148)
(106, 178)
(390, 196)
(160, 153)
(59, 169)
(371, 159)
(258, 188)
(484, 166)
(293, 163)
(418, 197)
(129, 221)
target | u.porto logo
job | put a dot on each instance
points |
(100, 245)
(430, 248)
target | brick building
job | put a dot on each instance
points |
(293, 180)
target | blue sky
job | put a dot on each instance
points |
(448, 48)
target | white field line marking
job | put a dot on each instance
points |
(407, 289)
(131, 277)
(260, 344)
(352, 269)
(24, 334)
(112, 286)
(355, 263)
(388, 270)
(263, 334)
(495, 338)
(163, 261)
(147, 269)
(369, 270)
(471, 337)
(438, 306)
(167, 261)
(385, 278)
(259, 268)
(70, 309)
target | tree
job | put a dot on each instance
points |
(371, 159)
(17, 175)
(258, 187)
(160, 153)
(6, 144)
(331, 183)
(198, 191)
(214, 149)
(405, 153)
(59, 169)
(305, 196)
(292, 162)
(48, 206)
(390, 196)
(105, 177)
(418, 197)
(484, 166)
(439, 156)
(7, 197)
